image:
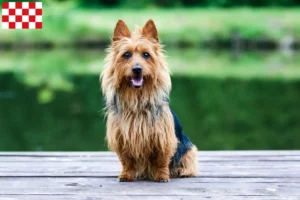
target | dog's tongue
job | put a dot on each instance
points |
(137, 82)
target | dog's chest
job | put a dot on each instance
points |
(139, 124)
(139, 132)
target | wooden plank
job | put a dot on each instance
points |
(97, 169)
(139, 197)
(251, 165)
(111, 170)
(190, 180)
(107, 153)
(109, 187)
(113, 158)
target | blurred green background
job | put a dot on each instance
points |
(235, 73)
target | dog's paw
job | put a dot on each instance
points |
(125, 179)
(162, 180)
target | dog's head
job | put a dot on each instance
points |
(135, 68)
(135, 58)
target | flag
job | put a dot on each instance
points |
(22, 15)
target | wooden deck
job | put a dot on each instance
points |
(223, 175)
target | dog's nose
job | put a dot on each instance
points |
(137, 69)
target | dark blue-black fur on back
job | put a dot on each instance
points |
(184, 143)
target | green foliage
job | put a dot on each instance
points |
(100, 3)
(189, 3)
(239, 114)
(172, 3)
(217, 114)
(64, 24)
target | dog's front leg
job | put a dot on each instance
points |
(128, 168)
(162, 173)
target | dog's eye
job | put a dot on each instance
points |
(146, 55)
(127, 55)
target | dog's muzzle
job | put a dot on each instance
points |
(137, 79)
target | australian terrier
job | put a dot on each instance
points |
(141, 128)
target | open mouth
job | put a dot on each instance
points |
(137, 82)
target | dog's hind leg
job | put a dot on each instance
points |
(188, 165)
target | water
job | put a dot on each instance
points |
(51, 101)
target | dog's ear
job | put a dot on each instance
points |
(121, 30)
(149, 30)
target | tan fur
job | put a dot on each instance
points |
(140, 126)
(188, 165)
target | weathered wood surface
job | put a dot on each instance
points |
(232, 175)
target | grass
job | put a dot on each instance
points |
(65, 24)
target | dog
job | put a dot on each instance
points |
(141, 128)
